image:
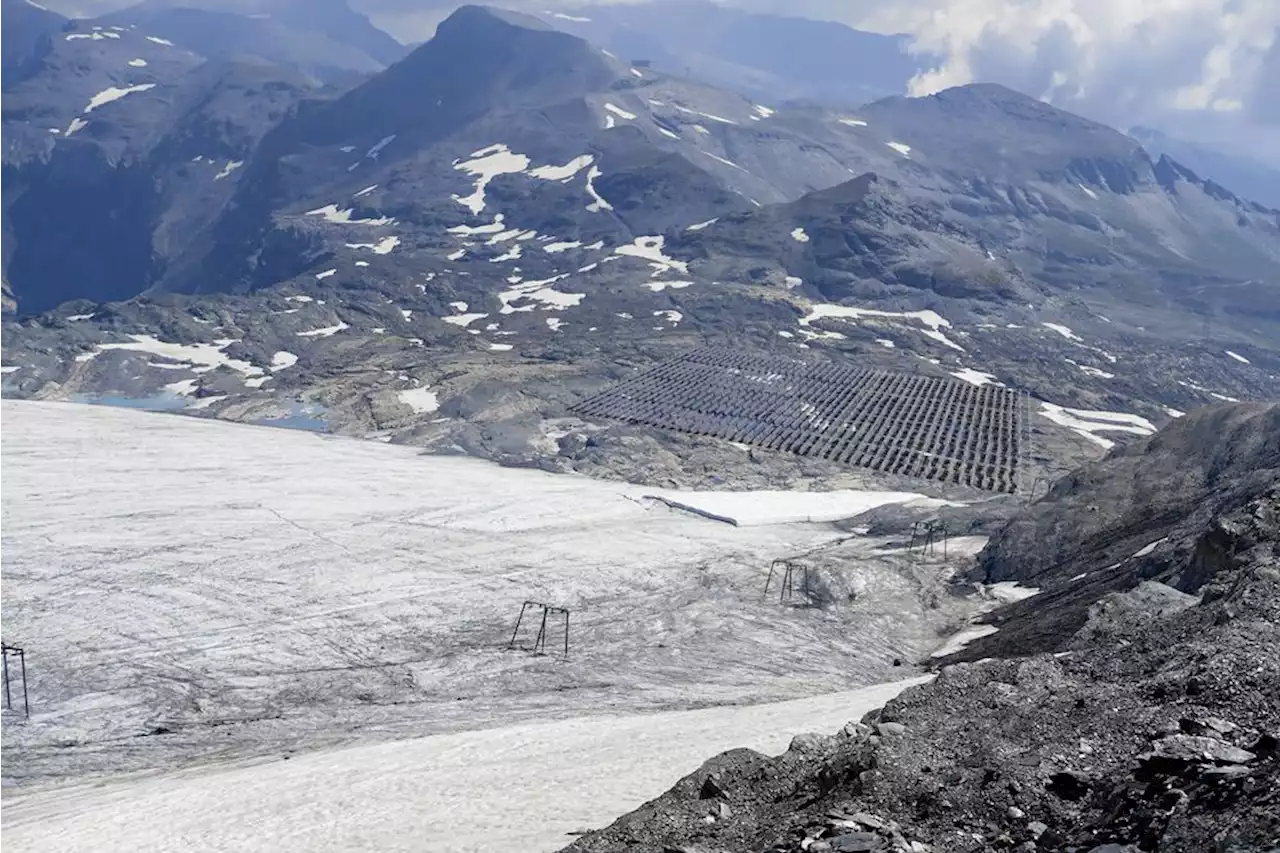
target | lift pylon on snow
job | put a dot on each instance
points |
(6, 652)
(550, 613)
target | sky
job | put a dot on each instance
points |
(1202, 69)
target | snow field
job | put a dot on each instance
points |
(255, 590)
(522, 787)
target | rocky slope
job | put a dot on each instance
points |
(514, 218)
(1154, 728)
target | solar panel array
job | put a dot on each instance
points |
(909, 424)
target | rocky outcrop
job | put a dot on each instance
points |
(1154, 730)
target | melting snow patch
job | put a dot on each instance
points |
(575, 18)
(620, 112)
(282, 360)
(553, 248)
(1090, 193)
(554, 323)
(113, 93)
(974, 377)
(933, 322)
(658, 286)
(1173, 413)
(494, 227)
(298, 299)
(672, 317)
(487, 164)
(159, 40)
(637, 73)
(231, 166)
(500, 347)
(668, 133)
(539, 291)
(420, 400)
(799, 235)
(382, 247)
(1093, 371)
(1007, 592)
(1062, 330)
(886, 343)
(458, 306)
(323, 275)
(794, 281)
(720, 159)
(711, 116)
(327, 331)
(365, 191)
(904, 150)
(1237, 357)
(463, 320)
(565, 172)
(1085, 423)
(701, 225)
(77, 317)
(749, 509)
(853, 122)
(1148, 548)
(332, 213)
(598, 204)
(650, 249)
(761, 111)
(204, 356)
(137, 63)
(963, 638)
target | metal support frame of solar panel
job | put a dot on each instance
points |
(910, 424)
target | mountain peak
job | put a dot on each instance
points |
(472, 15)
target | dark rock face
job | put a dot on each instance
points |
(1156, 734)
(28, 29)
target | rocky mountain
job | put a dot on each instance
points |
(770, 57)
(514, 218)
(1154, 728)
(325, 38)
(27, 27)
(1239, 174)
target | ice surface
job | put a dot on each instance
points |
(904, 150)
(799, 235)
(262, 591)
(519, 788)
(620, 112)
(1237, 357)
(421, 400)
(1007, 592)
(114, 93)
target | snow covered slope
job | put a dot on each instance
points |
(520, 788)
(190, 590)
